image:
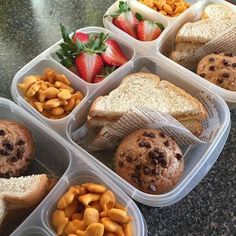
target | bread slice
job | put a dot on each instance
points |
(146, 90)
(3, 210)
(203, 31)
(23, 191)
(217, 11)
(194, 126)
(183, 51)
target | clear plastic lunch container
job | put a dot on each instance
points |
(167, 41)
(198, 158)
(49, 59)
(55, 157)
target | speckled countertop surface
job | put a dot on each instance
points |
(29, 27)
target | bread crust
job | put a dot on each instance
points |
(31, 197)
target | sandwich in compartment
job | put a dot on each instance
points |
(215, 19)
(147, 90)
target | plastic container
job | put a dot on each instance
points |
(54, 156)
(198, 158)
(48, 59)
(166, 45)
(147, 13)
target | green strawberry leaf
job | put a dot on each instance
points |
(65, 34)
(60, 56)
(138, 16)
(67, 63)
(123, 7)
(161, 26)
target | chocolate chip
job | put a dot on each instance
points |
(178, 156)
(161, 155)
(211, 59)
(203, 75)
(14, 158)
(5, 152)
(157, 150)
(217, 52)
(155, 161)
(129, 159)
(152, 187)
(8, 145)
(120, 163)
(234, 65)
(226, 75)
(225, 62)
(20, 142)
(8, 174)
(138, 166)
(167, 143)
(141, 143)
(212, 68)
(147, 144)
(155, 171)
(150, 134)
(153, 154)
(146, 170)
(163, 162)
(162, 134)
(2, 132)
(220, 80)
(136, 180)
(20, 152)
(229, 54)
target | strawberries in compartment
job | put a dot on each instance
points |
(125, 19)
(134, 24)
(91, 56)
(113, 55)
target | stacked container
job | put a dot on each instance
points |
(72, 163)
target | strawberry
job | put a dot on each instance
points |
(125, 19)
(113, 55)
(106, 70)
(83, 38)
(148, 30)
(98, 79)
(89, 65)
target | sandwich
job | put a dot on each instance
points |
(216, 19)
(147, 90)
(22, 193)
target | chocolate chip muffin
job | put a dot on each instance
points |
(16, 149)
(149, 160)
(220, 69)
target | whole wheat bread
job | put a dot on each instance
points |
(146, 89)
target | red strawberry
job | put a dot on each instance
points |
(98, 79)
(83, 38)
(89, 65)
(148, 31)
(125, 19)
(113, 55)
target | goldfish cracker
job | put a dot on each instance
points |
(94, 229)
(112, 226)
(67, 198)
(94, 188)
(119, 216)
(128, 229)
(71, 209)
(57, 111)
(89, 197)
(107, 200)
(59, 221)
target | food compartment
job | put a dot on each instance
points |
(126, 48)
(37, 69)
(80, 173)
(140, 46)
(167, 44)
(196, 157)
(51, 156)
(166, 17)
